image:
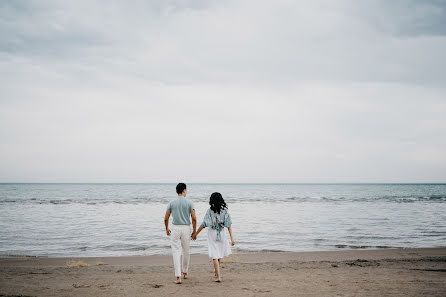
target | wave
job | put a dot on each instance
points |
(17, 256)
(242, 250)
(356, 247)
(271, 199)
(62, 201)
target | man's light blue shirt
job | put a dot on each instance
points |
(180, 209)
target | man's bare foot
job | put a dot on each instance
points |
(178, 281)
(185, 275)
(218, 280)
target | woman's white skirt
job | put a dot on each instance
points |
(218, 249)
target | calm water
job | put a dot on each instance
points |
(75, 220)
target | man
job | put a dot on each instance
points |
(182, 210)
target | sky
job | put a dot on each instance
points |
(223, 91)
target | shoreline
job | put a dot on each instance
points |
(252, 257)
(382, 272)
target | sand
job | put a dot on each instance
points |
(390, 272)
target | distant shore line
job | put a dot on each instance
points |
(224, 183)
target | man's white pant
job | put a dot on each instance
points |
(180, 240)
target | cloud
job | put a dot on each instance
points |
(184, 41)
(406, 18)
(277, 91)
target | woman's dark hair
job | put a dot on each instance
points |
(217, 202)
(180, 188)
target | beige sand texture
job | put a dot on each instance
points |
(393, 272)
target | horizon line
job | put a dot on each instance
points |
(232, 183)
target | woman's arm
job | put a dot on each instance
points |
(194, 236)
(230, 234)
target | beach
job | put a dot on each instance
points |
(385, 272)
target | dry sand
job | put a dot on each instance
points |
(393, 272)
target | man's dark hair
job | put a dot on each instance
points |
(180, 188)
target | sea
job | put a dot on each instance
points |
(82, 220)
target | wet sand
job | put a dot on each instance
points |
(389, 272)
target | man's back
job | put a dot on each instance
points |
(181, 210)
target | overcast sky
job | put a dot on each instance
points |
(223, 91)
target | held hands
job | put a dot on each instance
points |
(232, 242)
(168, 232)
(194, 236)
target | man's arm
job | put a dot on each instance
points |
(166, 222)
(194, 220)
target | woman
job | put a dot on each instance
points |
(217, 218)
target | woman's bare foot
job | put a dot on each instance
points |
(178, 281)
(218, 280)
(185, 275)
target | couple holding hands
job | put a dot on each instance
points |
(216, 219)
